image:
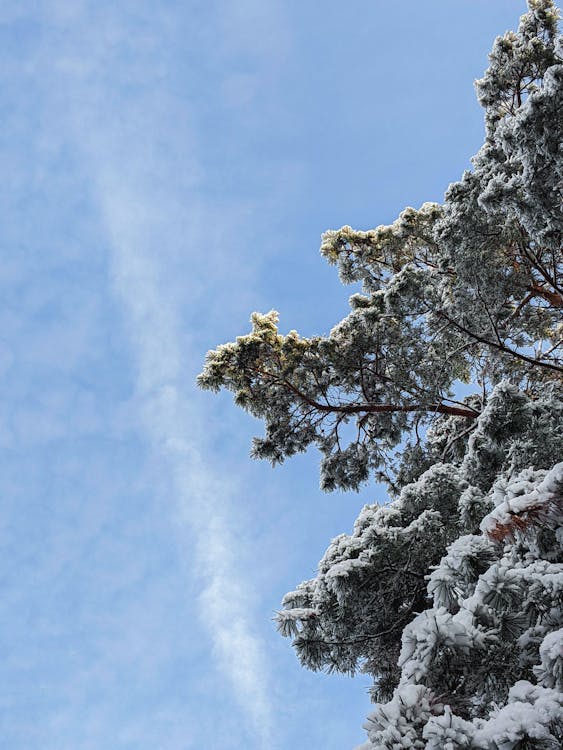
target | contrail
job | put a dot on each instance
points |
(131, 138)
(176, 431)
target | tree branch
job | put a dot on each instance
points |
(368, 408)
(500, 346)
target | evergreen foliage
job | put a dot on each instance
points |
(450, 595)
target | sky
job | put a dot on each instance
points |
(167, 169)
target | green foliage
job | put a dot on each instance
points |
(450, 596)
(469, 290)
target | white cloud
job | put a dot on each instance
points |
(108, 91)
(177, 430)
(136, 183)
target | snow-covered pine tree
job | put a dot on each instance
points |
(450, 595)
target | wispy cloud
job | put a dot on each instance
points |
(177, 431)
(139, 152)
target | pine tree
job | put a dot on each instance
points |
(450, 595)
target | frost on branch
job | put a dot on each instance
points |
(550, 670)
(532, 718)
(451, 595)
(525, 505)
(470, 290)
(371, 583)
(496, 628)
(400, 722)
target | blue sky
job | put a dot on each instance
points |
(168, 168)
